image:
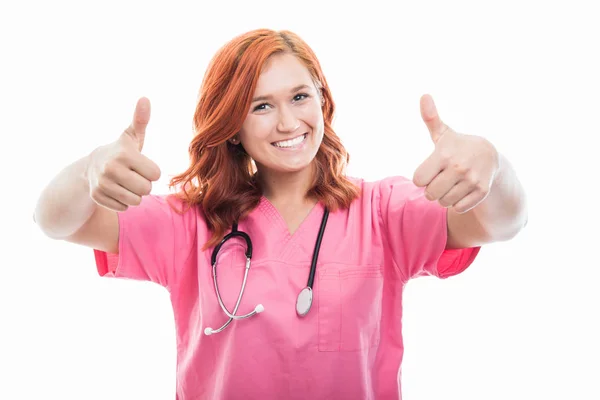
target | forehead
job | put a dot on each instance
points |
(282, 72)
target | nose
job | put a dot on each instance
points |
(287, 121)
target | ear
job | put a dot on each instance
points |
(234, 140)
(321, 97)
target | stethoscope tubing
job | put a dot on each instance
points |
(313, 264)
(259, 308)
(239, 300)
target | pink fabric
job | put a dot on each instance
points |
(350, 344)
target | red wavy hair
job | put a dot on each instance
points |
(221, 176)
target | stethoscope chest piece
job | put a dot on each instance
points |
(305, 297)
(304, 301)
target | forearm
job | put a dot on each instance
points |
(65, 203)
(504, 211)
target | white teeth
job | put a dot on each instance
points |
(290, 143)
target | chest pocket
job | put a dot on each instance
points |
(349, 303)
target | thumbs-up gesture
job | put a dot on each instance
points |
(118, 173)
(460, 171)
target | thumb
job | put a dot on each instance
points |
(431, 118)
(141, 116)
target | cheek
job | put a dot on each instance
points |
(318, 123)
(314, 118)
(256, 128)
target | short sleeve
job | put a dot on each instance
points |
(417, 232)
(150, 236)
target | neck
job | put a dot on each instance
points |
(286, 187)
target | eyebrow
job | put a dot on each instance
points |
(268, 97)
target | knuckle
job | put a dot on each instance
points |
(471, 178)
(121, 198)
(483, 189)
(478, 187)
(127, 197)
(121, 155)
(445, 155)
(110, 169)
(460, 168)
(102, 184)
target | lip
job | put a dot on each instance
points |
(284, 140)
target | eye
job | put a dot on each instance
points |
(300, 96)
(261, 107)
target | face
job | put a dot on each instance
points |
(284, 126)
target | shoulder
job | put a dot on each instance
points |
(399, 187)
(161, 205)
(185, 222)
(167, 212)
(395, 197)
(182, 210)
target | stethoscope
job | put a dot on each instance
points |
(305, 297)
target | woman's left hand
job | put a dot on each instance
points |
(460, 171)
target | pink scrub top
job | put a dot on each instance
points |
(349, 346)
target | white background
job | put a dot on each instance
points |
(520, 323)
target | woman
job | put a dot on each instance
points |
(330, 254)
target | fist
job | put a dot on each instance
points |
(460, 171)
(118, 173)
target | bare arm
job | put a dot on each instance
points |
(65, 210)
(80, 204)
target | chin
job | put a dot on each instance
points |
(290, 168)
(287, 167)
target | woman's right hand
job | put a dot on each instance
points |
(118, 173)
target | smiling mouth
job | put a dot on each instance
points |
(289, 143)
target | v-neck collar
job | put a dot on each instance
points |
(288, 239)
